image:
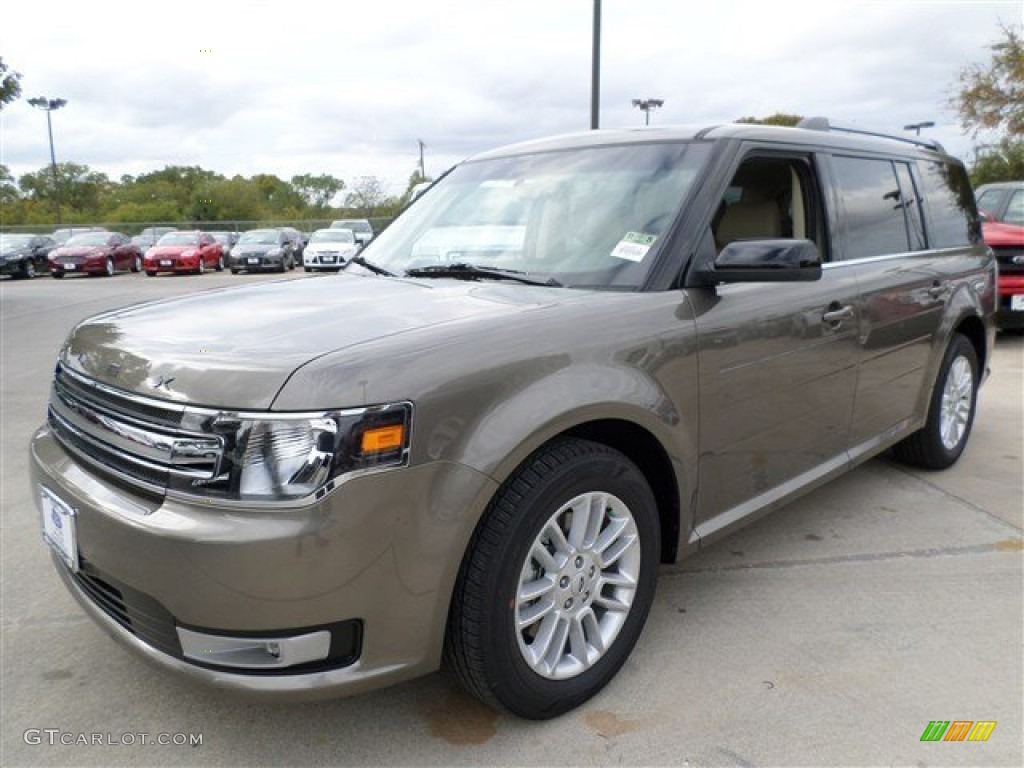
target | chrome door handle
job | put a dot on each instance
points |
(837, 315)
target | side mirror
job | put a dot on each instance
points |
(984, 215)
(765, 261)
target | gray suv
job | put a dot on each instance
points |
(575, 360)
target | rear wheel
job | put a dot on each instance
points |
(220, 263)
(234, 271)
(557, 581)
(943, 438)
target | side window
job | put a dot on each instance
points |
(1015, 210)
(769, 197)
(952, 216)
(989, 200)
(873, 221)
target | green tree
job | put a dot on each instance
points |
(10, 85)
(8, 189)
(82, 191)
(176, 182)
(991, 95)
(279, 197)
(234, 199)
(999, 162)
(317, 191)
(779, 118)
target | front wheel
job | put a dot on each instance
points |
(137, 264)
(557, 581)
(28, 269)
(202, 266)
(109, 267)
(939, 443)
(150, 273)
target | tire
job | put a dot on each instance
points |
(150, 273)
(280, 267)
(234, 271)
(220, 264)
(202, 266)
(57, 275)
(487, 644)
(137, 264)
(27, 271)
(307, 269)
(109, 268)
(939, 443)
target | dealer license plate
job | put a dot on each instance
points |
(254, 261)
(70, 267)
(166, 263)
(1017, 303)
(59, 527)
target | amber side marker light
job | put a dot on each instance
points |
(381, 439)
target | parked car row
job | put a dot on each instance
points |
(97, 251)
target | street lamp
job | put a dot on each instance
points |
(647, 105)
(48, 105)
(918, 126)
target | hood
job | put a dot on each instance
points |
(169, 250)
(330, 247)
(78, 252)
(236, 347)
(256, 247)
(1000, 233)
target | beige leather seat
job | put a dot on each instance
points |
(749, 219)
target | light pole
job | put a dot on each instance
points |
(918, 126)
(647, 105)
(48, 105)
(423, 172)
(595, 69)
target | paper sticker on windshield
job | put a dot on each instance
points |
(634, 246)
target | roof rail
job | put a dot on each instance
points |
(822, 124)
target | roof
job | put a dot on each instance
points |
(836, 137)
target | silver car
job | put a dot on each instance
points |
(573, 361)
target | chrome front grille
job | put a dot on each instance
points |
(137, 439)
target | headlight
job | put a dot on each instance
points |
(271, 457)
(274, 252)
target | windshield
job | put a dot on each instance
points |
(354, 225)
(332, 236)
(93, 238)
(179, 238)
(15, 241)
(590, 217)
(264, 236)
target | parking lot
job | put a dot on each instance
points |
(830, 633)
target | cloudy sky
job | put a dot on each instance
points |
(348, 87)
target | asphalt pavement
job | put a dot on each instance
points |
(832, 632)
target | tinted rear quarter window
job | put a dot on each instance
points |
(952, 216)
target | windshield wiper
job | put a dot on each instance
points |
(465, 271)
(370, 266)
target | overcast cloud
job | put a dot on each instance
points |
(347, 88)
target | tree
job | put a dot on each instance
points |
(10, 87)
(317, 191)
(82, 190)
(779, 118)
(999, 162)
(991, 96)
(366, 196)
(8, 190)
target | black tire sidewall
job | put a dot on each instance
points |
(513, 682)
(958, 347)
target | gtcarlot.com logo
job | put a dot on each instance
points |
(55, 736)
(958, 730)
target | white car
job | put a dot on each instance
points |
(360, 227)
(329, 249)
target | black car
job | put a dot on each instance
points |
(24, 255)
(264, 249)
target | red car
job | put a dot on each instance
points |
(185, 251)
(1002, 205)
(95, 253)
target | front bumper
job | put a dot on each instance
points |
(257, 263)
(373, 562)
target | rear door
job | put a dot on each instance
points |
(777, 361)
(906, 273)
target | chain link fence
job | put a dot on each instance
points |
(136, 227)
